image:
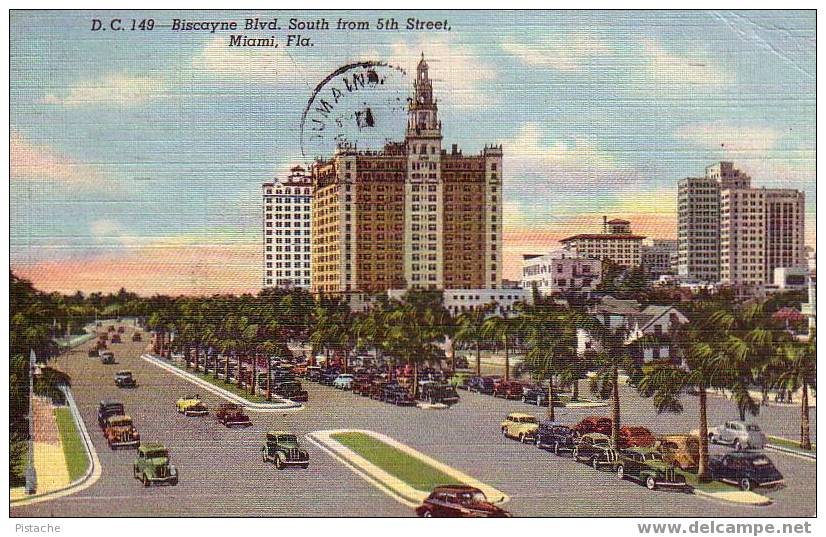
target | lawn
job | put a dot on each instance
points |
(416, 473)
(73, 449)
(221, 384)
(710, 487)
(791, 444)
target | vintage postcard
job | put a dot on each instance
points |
(413, 263)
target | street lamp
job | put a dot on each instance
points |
(31, 474)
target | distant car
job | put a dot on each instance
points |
(137, 336)
(111, 328)
(480, 385)
(282, 449)
(291, 390)
(438, 392)
(460, 362)
(522, 427)
(593, 424)
(509, 389)
(313, 373)
(121, 432)
(108, 408)
(116, 338)
(738, 434)
(556, 437)
(107, 357)
(121, 330)
(343, 381)
(635, 437)
(103, 336)
(459, 501)
(124, 379)
(682, 450)
(328, 376)
(232, 415)
(152, 466)
(93, 352)
(746, 469)
(646, 466)
(362, 385)
(397, 395)
(595, 449)
(377, 389)
(191, 405)
(538, 395)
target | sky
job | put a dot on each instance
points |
(137, 160)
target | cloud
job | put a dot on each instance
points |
(114, 90)
(729, 136)
(668, 72)
(573, 53)
(574, 154)
(42, 164)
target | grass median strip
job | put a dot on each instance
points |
(412, 471)
(219, 383)
(73, 450)
(791, 444)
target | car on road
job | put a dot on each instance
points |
(137, 336)
(508, 389)
(111, 328)
(152, 465)
(291, 390)
(103, 337)
(595, 449)
(313, 373)
(746, 469)
(682, 450)
(377, 389)
(121, 330)
(535, 394)
(555, 436)
(108, 408)
(328, 376)
(93, 352)
(438, 393)
(343, 382)
(230, 414)
(362, 385)
(635, 437)
(282, 449)
(116, 338)
(646, 466)
(480, 385)
(397, 395)
(121, 432)
(124, 379)
(522, 427)
(459, 501)
(191, 405)
(738, 434)
(107, 357)
(593, 424)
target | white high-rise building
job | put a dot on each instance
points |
(287, 218)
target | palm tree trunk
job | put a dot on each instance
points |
(615, 410)
(226, 368)
(254, 383)
(551, 415)
(415, 379)
(197, 357)
(478, 359)
(702, 470)
(805, 439)
(507, 361)
(239, 377)
(575, 390)
(269, 379)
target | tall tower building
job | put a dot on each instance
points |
(287, 219)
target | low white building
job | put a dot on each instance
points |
(791, 278)
(560, 271)
(456, 301)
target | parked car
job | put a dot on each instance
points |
(646, 466)
(116, 338)
(291, 390)
(93, 352)
(191, 405)
(522, 427)
(124, 379)
(282, 449)
(593, 424)
(480, 385)
(682, 450)
(121, 432)
(458, 501)
(509, 389)
(556, 437)
(231, 415)
(635, 437)
(108, 408)
(438, 392)
(313, 373)
(343, 381)
(538, 395)
(397, 395)
(595, 449)
(107, 357)
(111, 328)
(328, 376)
(746, 469)
(377, 389)
(152, 465)
(103, 337)
(362, 385)
(300, 370)
(137, 336)
(738, 434)
(121, 330)
(460, 362)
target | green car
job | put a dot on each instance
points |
(647, 467)
(152, 466)
(282, 449)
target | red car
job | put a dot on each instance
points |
(231, 414)
(635, 437)
(593, 424)
(509, 389)
(459, 501)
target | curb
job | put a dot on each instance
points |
(282, 405)
(590, 404)
(714, 496)
(792, 452)
(93, 471)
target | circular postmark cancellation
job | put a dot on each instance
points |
(361, 105)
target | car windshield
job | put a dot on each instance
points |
(157, 454)
(753, 428)
(471, 497)
(288, 440)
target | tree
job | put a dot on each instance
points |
(795, 365)
(500, 328)
(469, 331)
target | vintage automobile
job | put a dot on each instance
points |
(93, 352)
(459, 501)
(343, 382)
(121, 330)
(191, 405)
(595, 449)
(635, 437)
(328, 376)
(124, 379)
(682, 450)
(509, 389)
(646, 466)
(593, 424)
(738, 434)
(362, 385)
(116, 338)
(480, 385)
(556, 437)
(103, 336)
(137, 336)
(121, 432)
(111, 328)
(313, 373)
(522, 427)
(377, 389)
(460, 362)
(101, 345)
(438, 392)
(108, 408)
(231, 415)
(282, 449)
(152, 465)
(397, 395)
(300, 370)
(535, 394)
(746, 469)
(291, 390)
(107, 357)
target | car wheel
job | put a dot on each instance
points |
(745, 484)
(650, 483)
(738, 446)
(620, 472)
(278, 463)
(538, 401)
(575, 454)
(522, 438)
(595, 463)
(174, 481)
(711, 439)
(427, 513)
(504, 432)
(556, 448)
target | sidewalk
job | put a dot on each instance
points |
(49, 459)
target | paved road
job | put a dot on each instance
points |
(221, 472)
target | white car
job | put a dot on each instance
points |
(738, 434)
(343, 382)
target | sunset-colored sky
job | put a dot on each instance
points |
(137, 160)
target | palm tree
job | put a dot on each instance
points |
(469, 331)
(795, 367)
(500, 328)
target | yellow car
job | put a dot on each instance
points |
(520, 426)
(191, 405)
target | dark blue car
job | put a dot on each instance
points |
(556, 437)
(328, 376)
(480, 385)
(746, 469)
